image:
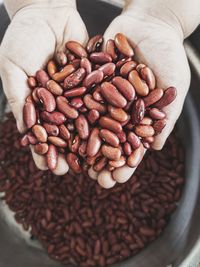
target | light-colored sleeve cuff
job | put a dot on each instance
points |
(13, 6)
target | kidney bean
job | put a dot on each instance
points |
(95, 77)
(93, 116)
(109, 137)
(134, 140)
(74, 79)
(64, 132)
(92, 104)
(91, 160)
(97, 95)
(63, 73)
(76, 102)
(51, 129)
(122, 61)
(110, 49)
(82, 149)
(61, 58)
(51, 68)
(123, 45)
(65, 108)
(153, 97)
(146, 121)
(138, 111)
(57, 141)
(125, 87)
(159, 125)
(127, 67)
(40, 133)
(70, 126)
(76, 48)
(94, 43)
(167, 98)
(32, 83)
(144, 130)
(110, 152)
(100, 58)
(54, 87)
(55, 117)
(47, 99)
(42, 77)
(118, 114)
(79, 91)
(24, 141)
(140, 66)
(82, 127)
(31, 138)
(110, 124)
(147, 75)
(112, 95)
(29, 114)
(157, 114)
(73, 162)
(108, 69)
(94, 143)
(100, 164)
(52, 157)
(135, 157)
(127, 149)
(122, 137)
(149, 139)
(41, 148)
(140, 86)
(85, 63)
(118, 163)
(74, 143)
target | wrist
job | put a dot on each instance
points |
(13, 7)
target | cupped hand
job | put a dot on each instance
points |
(159, 45)
(36, 32)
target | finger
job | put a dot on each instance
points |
(105, 179)
(92, 174)
(14, 82)
(62, 166)
(123, 174)
(40, 161)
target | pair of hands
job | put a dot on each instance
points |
(42, 28)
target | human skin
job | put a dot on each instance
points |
(156, 31)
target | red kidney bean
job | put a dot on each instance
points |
(29, 114)
(73, 162)
(61, 58)
(157, 114)
(65, 108)
(127, 67)
(93, 116)
(51, 129)
(41, 148)
(51, 68)
(74, 143)
(95, 77)
(79, 91)
(124, 87)
(159, 126)
(146, 121)
(144, 130)
(147, 75)
(167, 98)
(52, 157)
(85, 63)
(94, 143)
(92, 104)
(74, 79)
(55, 117)
(122, 137)
(138, 111)
(100, 58)
(63, 73)
(77, 103)
(40, 133)
(57, 141)
(100, 164)
(127, 149)
(118, 114)
(47, 99)
(134, 140)
(140, 86)
(108, 69)
(123, 45)
(110, 152)
(110, 124)
(54, 87)
(135, 157)
(109, 137)
(64, 132)
(82, 127)
(94, 43)
(31, 82)
(153, 97)
(110, 49)
(42, 77)
(76, 48)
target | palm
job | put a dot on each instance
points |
(31, 39)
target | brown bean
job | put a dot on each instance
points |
(134, 140)
(109, 137)
(127, 67)
(97, 95)
(118, 114)
(156, 114)
(41, 148)
(51, 129)
(108, 69)
(64, 132)
(61, 58)
(42, 77)
(122, 61)
(85, 63)
(65, 108)
(93, 78)
(54, 87)
(31, 82)
(153, 97)
(55, 117)
(94, 43)
(127, 149)
(110, 152)
(100, 58)
(140, 86)
(122, 137)
(74, 143)
(100, 164)
(74, 79)
(135, 157)
(124, 87)
(76, 48)
(40, 133)
(74, 162)
(110, 124)
(52, 157)
(147, 75)
(138, 111)
(76, 102)
(123, 45)
(57, 141)
(82, 126)
(94, 143)
(47, 99)
(112, 95)
(110, 49)
(92, 104)
(144, 130)
(93, 116)
(118, 163)
(159, 126)
(146, 121)
(29, 114)
(51, 68)
(168, 97)
(63, 73)
(79, 91)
